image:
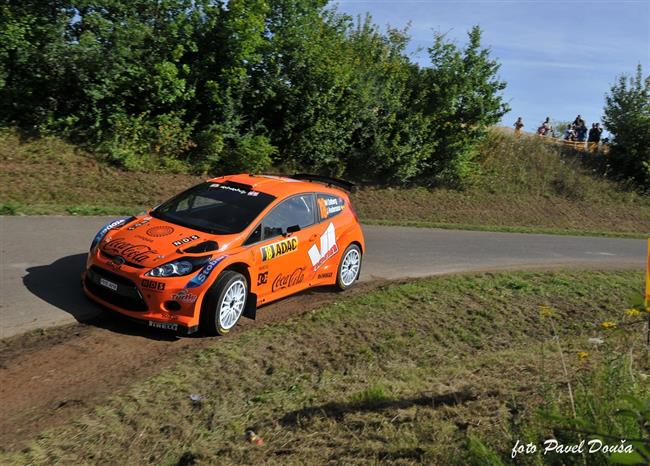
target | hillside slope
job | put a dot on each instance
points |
(521, 185)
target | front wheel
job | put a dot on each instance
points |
(224, 304)
(349, 268)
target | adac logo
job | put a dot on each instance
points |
(279, 249)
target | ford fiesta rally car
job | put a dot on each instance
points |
(214, 252)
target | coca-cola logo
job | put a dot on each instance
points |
(130, 252)
(287, 281)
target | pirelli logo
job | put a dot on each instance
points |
(279, 249)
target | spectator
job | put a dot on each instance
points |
(594, 137)
(579, 122)
(570, 133)
(582, 132)
(592, 141)
(599, 130)
(518, 125)
(546, 129)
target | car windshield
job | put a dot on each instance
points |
(217, 208)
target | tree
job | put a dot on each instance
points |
(463, 98)
(627, 118)
(238, 85)
(32, 60)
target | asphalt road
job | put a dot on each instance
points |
(42, 257)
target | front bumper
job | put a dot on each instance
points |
(178, 329)
(130, 293)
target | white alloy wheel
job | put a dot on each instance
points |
(232, 304)
(350, 267)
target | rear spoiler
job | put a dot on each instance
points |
(350, 187)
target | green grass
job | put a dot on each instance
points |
(505, 228)
(440, 371)
(522, 185)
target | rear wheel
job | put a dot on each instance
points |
(224, 303)
(349, 268)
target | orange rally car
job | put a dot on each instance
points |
(218, 250)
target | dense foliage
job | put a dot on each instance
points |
(210, 85)
(627, 117)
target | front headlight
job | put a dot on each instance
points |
(109, 226)
(178, 267)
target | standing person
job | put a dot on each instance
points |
(582, 132)
(546, 129)
(518, 125)
(578, 121)
(592, 133)
(599, 132)
(594, 138)
(598, 135)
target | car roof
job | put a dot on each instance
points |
(276, 185)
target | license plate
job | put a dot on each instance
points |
(108, 284)
(163, 325)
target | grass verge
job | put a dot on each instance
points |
(522, 185)
(505, 229)
(446, 370)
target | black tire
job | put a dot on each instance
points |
(343, 283)
(211, 316)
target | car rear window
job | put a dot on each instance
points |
(329, 205)
(217, 208)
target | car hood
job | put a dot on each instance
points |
(148, 242)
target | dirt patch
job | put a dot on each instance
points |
(51, 376)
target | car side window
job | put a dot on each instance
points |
(329, 205)
(297, 210)
(255, 236)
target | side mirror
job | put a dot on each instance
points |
(293, 229)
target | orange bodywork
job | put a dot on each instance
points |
(117, 268)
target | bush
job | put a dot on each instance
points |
(627, 117)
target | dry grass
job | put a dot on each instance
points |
(47, 175)
(524, 185)
(405, 375)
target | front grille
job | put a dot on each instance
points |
(127, 295)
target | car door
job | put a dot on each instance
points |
(280, 247)
(322, 254)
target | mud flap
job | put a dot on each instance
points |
(250, 310)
